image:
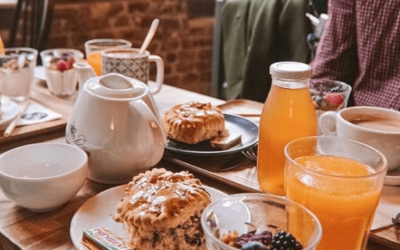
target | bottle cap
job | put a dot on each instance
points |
(291, 70)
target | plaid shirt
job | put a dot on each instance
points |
(361, 46)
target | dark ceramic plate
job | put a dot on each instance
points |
(235, 124)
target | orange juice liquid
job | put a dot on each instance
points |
(288, 114)
(94, 60)
(1, 46)
(345, 207)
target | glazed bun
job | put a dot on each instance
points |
(194, 122)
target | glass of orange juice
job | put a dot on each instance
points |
(94, 47)
(340, 181)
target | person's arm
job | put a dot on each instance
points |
(336, 56)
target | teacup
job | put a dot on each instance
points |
(377, 127)
(131, 63)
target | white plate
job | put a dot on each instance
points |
(393, 178)
(9, 110)
(96, 212)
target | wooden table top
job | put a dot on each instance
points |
(22, 229)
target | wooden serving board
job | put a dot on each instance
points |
(42, 95)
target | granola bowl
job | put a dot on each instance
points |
(330, 95)
(61, 77)
(231, 222)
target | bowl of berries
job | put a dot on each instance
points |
(330, 95)
(253, 221)
(61, 78)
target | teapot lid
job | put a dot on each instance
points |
(115, 85)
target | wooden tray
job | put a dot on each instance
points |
(42, 95)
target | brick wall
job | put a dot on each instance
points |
(183, 38)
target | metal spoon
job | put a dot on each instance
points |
(149, 35)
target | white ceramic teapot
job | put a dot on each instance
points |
(116, 121)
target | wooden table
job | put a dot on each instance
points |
(22, 229)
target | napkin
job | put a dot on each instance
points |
(389, 207)
(36, 113)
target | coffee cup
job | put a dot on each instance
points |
(377, 127)
(131, 63)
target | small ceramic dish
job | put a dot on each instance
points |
(43, 176)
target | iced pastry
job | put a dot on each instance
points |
(194, 122)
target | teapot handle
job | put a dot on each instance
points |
(141, 107)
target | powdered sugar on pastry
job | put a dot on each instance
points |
(162, 210)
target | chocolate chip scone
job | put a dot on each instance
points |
(162, 210)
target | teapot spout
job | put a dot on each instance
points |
(84, 72)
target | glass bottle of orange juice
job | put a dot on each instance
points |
(288, 113)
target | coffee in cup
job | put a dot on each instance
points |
(377, 127)
(131, 63)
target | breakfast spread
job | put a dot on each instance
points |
(194, 122)
(162, 210)
(264, 240)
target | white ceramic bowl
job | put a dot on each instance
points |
(43, 176)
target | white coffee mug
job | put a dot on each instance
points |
(377, 127)
(130, 63)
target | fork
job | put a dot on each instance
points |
(251, 153)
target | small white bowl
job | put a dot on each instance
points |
(43, 176)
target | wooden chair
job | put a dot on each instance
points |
(31, 24)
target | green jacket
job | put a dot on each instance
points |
(255, 34)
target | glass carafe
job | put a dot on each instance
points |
(288, 114)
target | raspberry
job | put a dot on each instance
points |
(61, 65)
(70, 62)
(285, 241)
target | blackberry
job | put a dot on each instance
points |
(285, 241)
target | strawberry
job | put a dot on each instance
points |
(334, 100)
(61, 65)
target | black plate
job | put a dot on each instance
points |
(235, 124)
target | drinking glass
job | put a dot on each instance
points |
(17, 67)
(340, 181)
(93, 49)
(61, 77)
(262, 212)
(330, 95)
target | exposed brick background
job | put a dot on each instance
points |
(183, 38)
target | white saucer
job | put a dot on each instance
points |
(96, 212)
(9, 110)
(393, 178)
